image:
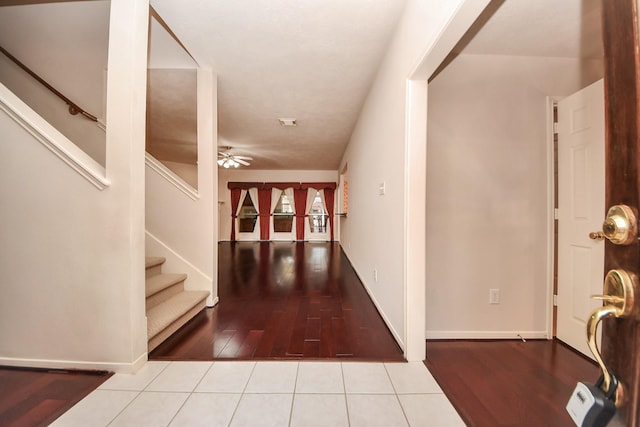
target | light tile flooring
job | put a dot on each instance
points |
(276, 394)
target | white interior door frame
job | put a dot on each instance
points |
(551, 213)
(415, 177)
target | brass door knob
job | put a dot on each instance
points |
(619, 301)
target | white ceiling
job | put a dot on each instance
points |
(315, 61)
(552, 28)
(311, 60)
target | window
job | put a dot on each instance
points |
(248, 216)
(283, 215)
(318, 215)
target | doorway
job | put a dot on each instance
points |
(487, 192)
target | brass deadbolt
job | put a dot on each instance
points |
(620, 225)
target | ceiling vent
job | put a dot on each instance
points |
(287, 122)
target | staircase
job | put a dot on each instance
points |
(169, 306)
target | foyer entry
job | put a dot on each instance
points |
(284, 300)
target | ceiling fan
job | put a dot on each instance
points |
(227, 159)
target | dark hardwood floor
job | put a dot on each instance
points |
(284, 300)
(509, 383)
(30, 397)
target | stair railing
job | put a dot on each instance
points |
(74, 109)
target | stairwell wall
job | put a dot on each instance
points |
(181, 228)
(66, 44)
(72, 290)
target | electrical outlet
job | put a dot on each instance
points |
(494, 296)
(375, 274)
(382, 189)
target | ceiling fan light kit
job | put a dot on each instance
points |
(228, 163)
(227, 160)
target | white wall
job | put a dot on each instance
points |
(373, 234)
(72, 292)
(487, 211)
(248, 175)
(66, 44)
(178, 227)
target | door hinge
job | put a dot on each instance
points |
(555, 127)
(555, 213)
(555, 300)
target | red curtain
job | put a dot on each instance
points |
(318, 185)
(300, 200)
(264, 203)
(328, 199)
(264, 207)
(243, 185)
(235, 201)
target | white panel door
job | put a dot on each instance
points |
(581, 209)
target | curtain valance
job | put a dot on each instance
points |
(282, 185)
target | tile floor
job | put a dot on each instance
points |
(276, 394)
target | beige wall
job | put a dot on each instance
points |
(373, 235)
(182, 227)
(66, 44)
(72, 292)
(487, 212)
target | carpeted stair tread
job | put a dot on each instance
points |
(165, 313)
(159, 282)
(152, 261)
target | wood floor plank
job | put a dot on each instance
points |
(313, 329)
(40, 411)
(327, 346)
(249, 345)
(271, 330)
(36, 397)
(221, 339)
(233, 345)
(311, 349)
(341, 339)
(296, 342)
(283, 339)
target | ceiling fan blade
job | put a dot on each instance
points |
(243, 157)
(242, 162)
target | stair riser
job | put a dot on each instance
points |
(153, 271)
(164, 294)
(177, 324)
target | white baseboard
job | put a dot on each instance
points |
(212, 301)
(123, 368)
(395, 334)
(486, 335)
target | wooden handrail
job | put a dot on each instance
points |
(73, 107)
